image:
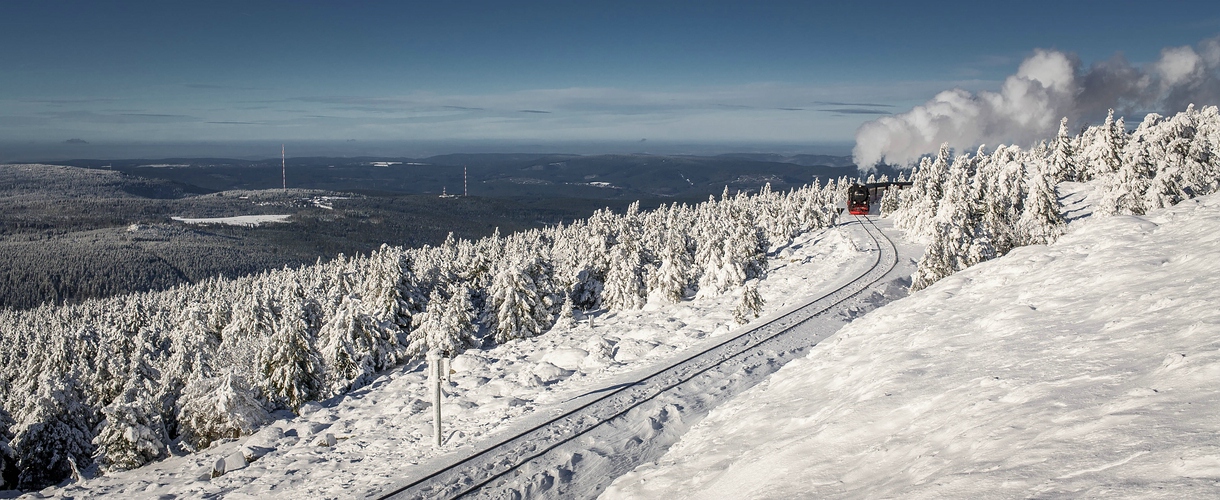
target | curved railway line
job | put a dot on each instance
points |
(578, 453)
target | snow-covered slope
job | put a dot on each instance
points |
(380, 433)
(1089, 368)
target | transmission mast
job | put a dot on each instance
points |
(283, 168)
(465, 192)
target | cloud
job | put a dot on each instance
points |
(856, 104)
(855, 111)
(1047, 86)
(533, 111)
(118, 118)
(208, 86)
(68, 101)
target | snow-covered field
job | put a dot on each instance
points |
(367, 440)
(239, 220)
(1084, 369)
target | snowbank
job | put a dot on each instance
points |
(1088, 368)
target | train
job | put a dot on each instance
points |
(857, 200)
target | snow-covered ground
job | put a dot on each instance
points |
(1088, 368)
(239, 220)
(365, 441)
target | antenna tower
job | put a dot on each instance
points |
(465, 192)
(283, 168)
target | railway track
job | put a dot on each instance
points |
(578, 453)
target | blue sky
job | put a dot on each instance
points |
(681, 72)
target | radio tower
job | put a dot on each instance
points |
(464, 191)
(283, 168)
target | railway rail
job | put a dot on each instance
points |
(578, 453)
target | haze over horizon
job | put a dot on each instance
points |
(580, 77)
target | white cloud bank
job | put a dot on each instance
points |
(1047, 86)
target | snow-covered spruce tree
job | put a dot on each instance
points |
(955, 222)
(926, 193)
(1063, 164)
(982, 241)
(1206, 148)
(253, 322)
(223, 406)
(517, 306)
(193, 345)
(624, 287)
(567, 316)
(1122, 192)
(349, 343)
(132, 432)
(289, 364)
(1005, 197)
(672, 278)
(749, 305)
(889, 201)
(709, 258)
(386, 294)
(1102, 148)
(57, 426)
(592, 242)
(747, 246)
(446, 325)
(1041, 221)
(8, 458)
(1177, 163)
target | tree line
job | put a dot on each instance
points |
(972, 208)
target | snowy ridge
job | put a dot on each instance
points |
(555, 459)
(1082, 369)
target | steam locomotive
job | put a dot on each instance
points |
(857, 200)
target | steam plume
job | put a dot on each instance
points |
(1046, 87)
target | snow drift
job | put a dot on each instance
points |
(1085, 368)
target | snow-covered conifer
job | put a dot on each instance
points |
(1063, 164)
(446, 325)
(624, 287)
(289, 365)
(673, 276)
(58, 425)
(132, 433)
(518, 308)
(1122, 192)
(8, 457)
(567, 317)
(1041, 221)
(889, 201)
(1102, 148)
(224, 406)
(749, 305)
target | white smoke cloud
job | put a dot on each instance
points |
(1047, 86)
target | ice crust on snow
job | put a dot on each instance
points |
(1086, 368)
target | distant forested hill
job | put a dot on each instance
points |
(99, 227)
(69, 234)
(623, 177)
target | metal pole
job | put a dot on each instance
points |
(434, 379)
